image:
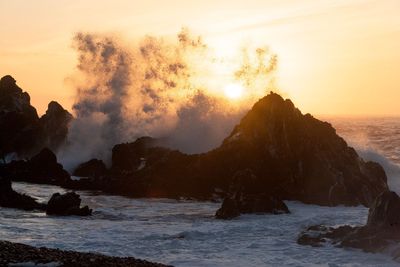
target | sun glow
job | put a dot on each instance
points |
(233, 90)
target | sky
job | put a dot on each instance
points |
(334, 57)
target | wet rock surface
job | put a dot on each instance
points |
(380, 234)
(245, 196)
(12, 253)
(11, 199)
(67, 204)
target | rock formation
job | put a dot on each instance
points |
(22, 131)
(93, 168)
(293, 156)
(380, 234)
(11, 199)
(42, 168)
(67, 204)
(245, 196)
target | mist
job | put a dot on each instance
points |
(170, 89)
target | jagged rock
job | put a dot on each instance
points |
(93, 168)
(55, 125)
(41, 168)
(19, 122)
(246, 196)
(380, 233)
(67, 204)
(11, 199)
(293, 156)
(22, 132)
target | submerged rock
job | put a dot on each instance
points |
(11, 199)
(381, 233)
(67, 204)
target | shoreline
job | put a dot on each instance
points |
(16, 254)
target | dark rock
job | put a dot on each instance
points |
(11, 199)
(379, 234)
(385, 212)
(42, 168)
(93, 168)
(19, 121)
(23, 133)
(292, 156)
(66, 204)
(246, 196)
(55, 125)
(228, 210)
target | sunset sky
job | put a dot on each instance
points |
(335, 57)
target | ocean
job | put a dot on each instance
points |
(185, 233)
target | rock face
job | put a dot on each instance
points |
(42, 168)
(381, 233)
(246, 197)
(11, 199)
(67, 204)
(293, 156)
(54, 125)
(93, 168)
(23, 132)
(19, 121)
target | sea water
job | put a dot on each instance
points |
(185, 233)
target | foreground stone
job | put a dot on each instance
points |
(380, 234)
(11, 253)
(67, 204)
(11, 199)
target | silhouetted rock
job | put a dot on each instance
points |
(19, 122)
(293, 156)
(55, 125)
(228, 210)
(67, 204)
(22, 132)
(42, 168)
(11, 199)
(381, 232)
(93, 168)
(246, 196)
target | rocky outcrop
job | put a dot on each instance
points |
(380, 234)
(42, 168)
(11, 199)
(67, 204)
(245, 196)
(15, 254)
(19, 121)
(93, 168)
(23, 132)
(293, 157)
(54, 125)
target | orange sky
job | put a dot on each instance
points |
(335, 57)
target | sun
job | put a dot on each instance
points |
(233, 90)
